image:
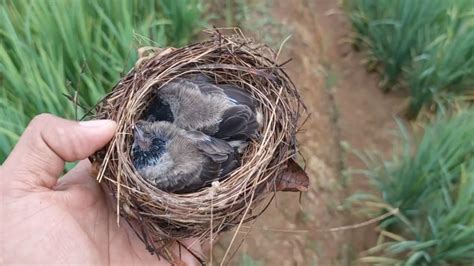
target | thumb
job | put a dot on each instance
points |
(48, 141)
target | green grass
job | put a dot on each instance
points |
(425, 45)
(52, 48)
(446, 65)
(431, 181)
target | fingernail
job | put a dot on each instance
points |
(97, 123)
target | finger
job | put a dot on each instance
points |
(49, 141)
(80, 174)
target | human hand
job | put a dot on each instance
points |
(46, 220)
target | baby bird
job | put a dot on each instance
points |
(218, 110)
(177, 160)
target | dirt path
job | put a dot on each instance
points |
(345, 104)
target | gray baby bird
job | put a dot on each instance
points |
(177, 160)
(218, 110)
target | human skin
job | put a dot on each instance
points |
(70, 220)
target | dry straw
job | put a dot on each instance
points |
(161, 218)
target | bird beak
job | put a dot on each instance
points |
(139, 137)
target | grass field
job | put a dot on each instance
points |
(49, 49)
(430, 180)
(425, 46)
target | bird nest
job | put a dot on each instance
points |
(160, 218)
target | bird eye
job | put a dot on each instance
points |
(158, 142)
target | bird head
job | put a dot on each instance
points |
(141, 138)
(149, 144)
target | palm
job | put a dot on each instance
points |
(73, 224)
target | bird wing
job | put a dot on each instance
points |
(222, 159)
(233, 93)
(237, 123)
(238, 96)
(212, 171)
(216, 149)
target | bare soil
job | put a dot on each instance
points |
(345, 105)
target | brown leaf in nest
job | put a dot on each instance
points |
(294, 179)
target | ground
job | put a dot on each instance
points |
(346, 105)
